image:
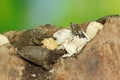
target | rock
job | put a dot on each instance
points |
(33, 37)
(40, 56)
(36, 54)
(14, 36)
(99, 60)
(104, 19)
(49, 28)
(11, 66)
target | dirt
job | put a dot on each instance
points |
(34, 72)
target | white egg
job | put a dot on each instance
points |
(92, 29)
(3, 40)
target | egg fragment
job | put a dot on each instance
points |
(62, 35)
(75, 46)
(73, 43)
(3, 39)
(70, 42)
(92, 29)
(50, 43)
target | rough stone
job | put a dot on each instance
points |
(13, 36)
(11, 66)
(99, 60)
(40, 56)
(33, 37)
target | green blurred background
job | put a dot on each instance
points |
(25, 14)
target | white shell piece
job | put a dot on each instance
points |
(74, 46)
(3, 39)
(93, 28)
(71, 43)
(62, 35)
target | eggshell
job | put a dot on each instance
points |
(75, 46)
(62, 35)
(92, 29)
(3, 40)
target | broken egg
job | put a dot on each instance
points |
(92, 29)
(3, 39)
(70, 42)
(62, 35)
(49, 43)
(74, 42)
(75, 46)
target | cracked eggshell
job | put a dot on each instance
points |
(50, 43)
(3, 40)
(62, 35)
(70, 48)
(75, 46)
(93, 28)
(71, 43)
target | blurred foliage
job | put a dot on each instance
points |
(24, 14)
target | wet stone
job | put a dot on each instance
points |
(40, 56)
